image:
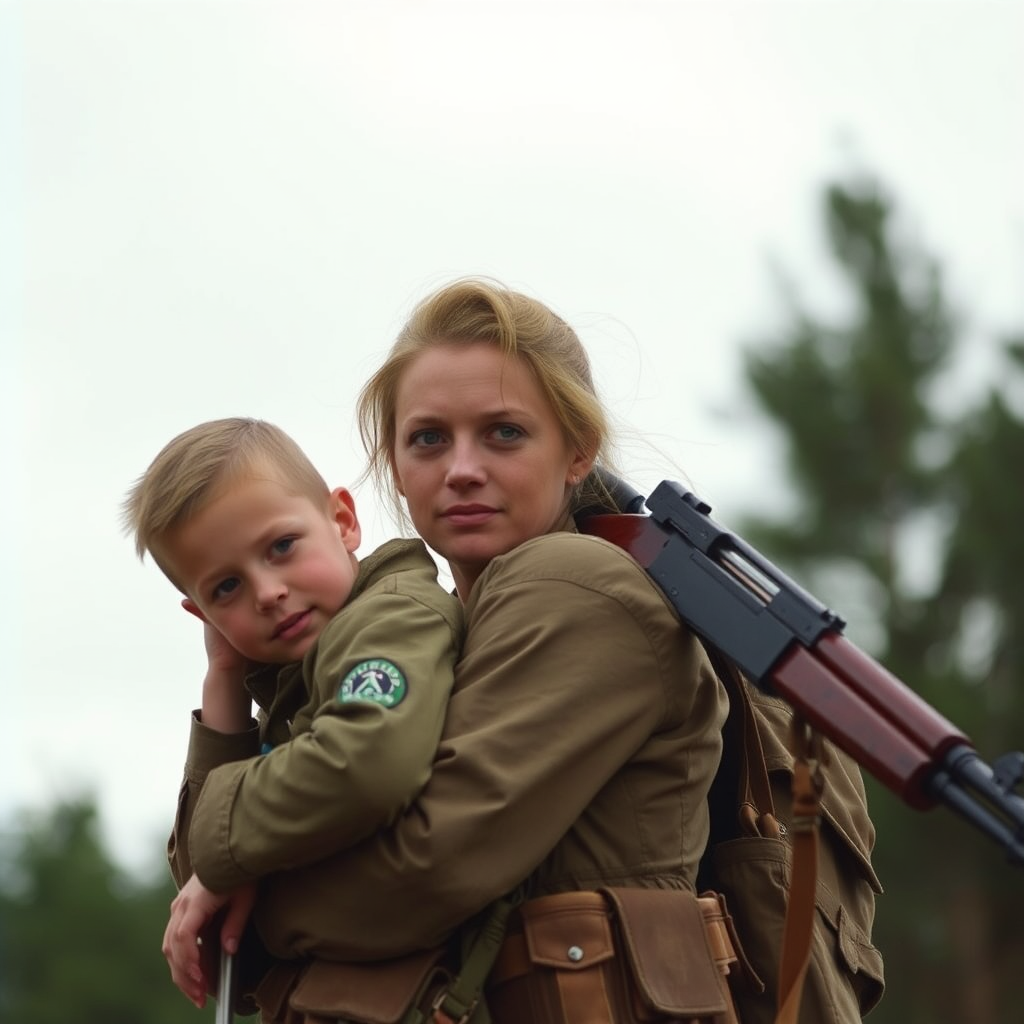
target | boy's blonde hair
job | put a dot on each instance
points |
(471, 310)
(189, 469)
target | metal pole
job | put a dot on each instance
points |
(225, 989)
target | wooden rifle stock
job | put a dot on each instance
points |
(791, 645)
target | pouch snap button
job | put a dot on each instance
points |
(575, 954)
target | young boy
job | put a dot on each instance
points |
(350, 662)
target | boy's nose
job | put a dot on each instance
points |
(269, 590)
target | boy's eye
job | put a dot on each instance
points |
(225, 587)
(426, 438)
(282, 546)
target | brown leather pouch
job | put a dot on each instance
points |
(619, 956)
(382, 992)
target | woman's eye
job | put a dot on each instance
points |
(426, 438)
(225, 587)
(282, 546)
(507, 432)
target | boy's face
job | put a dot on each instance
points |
(265, 567)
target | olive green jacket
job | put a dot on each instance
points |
(334, 768)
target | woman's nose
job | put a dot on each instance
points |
(465, 465)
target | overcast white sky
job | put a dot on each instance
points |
(217, 208)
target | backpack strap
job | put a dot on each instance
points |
(755, 812)
(755, 808)
(458, 1000)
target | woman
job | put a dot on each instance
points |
(584, 725)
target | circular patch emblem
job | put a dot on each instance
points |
(378, 681)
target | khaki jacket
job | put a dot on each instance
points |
(333, 770)
(582, 736)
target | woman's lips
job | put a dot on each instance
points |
(469, 515)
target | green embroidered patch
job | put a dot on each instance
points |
(377, 681)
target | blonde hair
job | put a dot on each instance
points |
(189, 468)
(472, 310)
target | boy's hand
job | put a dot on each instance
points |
(221, 656)
(226, 704)
(194, 964)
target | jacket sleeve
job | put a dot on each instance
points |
(355, 767)
(565, 674)
(206, 750)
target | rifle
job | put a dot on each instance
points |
(789, 644)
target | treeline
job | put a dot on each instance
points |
(80, 938)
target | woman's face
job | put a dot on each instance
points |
(480, 456)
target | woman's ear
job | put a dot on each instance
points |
(396, 479)
(192, 608)
(580, 465)
(343, 512)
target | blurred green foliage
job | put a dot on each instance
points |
(904, 514)
(80, 938)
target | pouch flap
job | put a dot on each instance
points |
(668, 951)
(272, 992)
(568, 930)
(863, 960)
(370, 993)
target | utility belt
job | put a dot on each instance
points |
(616, 956)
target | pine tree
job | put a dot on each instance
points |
(907, 521)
